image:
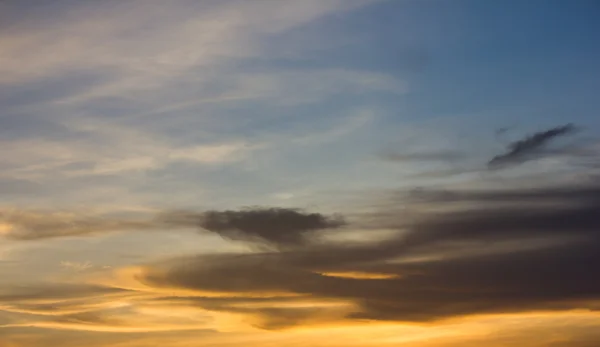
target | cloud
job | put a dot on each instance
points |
(271, 313)
(37, 158)
(139, 64)
(108, 321)
(14, 186)
(86, 307)
(279, 226)
(488, 252)
(581, 192)
(57, 292)
(102, 92)
(530, 147)
(444, 156)
(121, 36)
(42, 306)
(31, 225)
(484, 251)
(275, 226)
(76, 266)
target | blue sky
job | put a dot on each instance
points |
(131, 108)
(111, 88)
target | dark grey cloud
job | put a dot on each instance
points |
(530, 147)
(279, 226)
(572, 192)
(488, 252)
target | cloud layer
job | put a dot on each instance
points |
(506, 251)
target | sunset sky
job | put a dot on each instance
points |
(328, 173)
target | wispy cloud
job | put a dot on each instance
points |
(443, 156)
(76, 266)
(125, 99)
(25, 225)
(119, 36)
(530, 147)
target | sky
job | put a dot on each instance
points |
(420, 173)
